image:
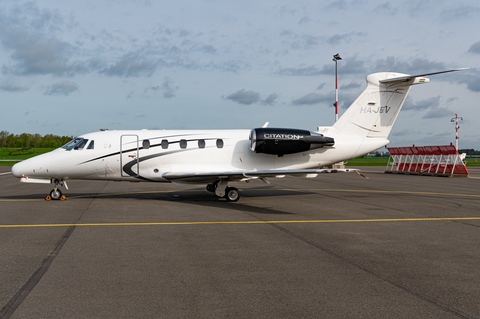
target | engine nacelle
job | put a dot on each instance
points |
(281, 141)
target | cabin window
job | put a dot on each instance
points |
(183, 143)
(201, 143)
(164, 144)
(91, 145)
(219, 143)
(146, 144)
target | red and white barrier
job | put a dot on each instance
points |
(442, 160)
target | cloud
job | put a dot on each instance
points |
(475, 48)
(430, 103)
(437, 113)
(472, 79)
(304, 20)
(452, 99)
(415, 66)
(168, 88)
(300, 41)
(343, 38)
(9, 86)
(310, 70)
(351, 85)
(37, 54)
(243, 97)
(131, 65)
(459, 11)
(312, 98)
(337, 5)
(37, 42)
(64, 88)
(385, 8)
(404, 132)
(28, 34)
(351, 65)
(270, 100)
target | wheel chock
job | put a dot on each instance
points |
(63, 197)
(48, 197)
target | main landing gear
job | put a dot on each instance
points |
(222, 190)
(56, 193)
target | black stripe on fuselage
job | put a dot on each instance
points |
(152, 146)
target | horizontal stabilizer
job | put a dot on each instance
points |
(409, 77)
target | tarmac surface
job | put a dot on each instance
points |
(336, 246)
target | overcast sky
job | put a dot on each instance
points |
(72, 67)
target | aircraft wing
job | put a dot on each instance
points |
(209, 177)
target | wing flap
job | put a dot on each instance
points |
(209, 177)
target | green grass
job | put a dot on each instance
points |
(367, 161)
(472, 161)
(10, 155)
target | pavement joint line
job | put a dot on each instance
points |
(245, 222)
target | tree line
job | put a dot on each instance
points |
(26, 140)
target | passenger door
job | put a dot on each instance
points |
(129, 155)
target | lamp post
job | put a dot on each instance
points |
(336, 57)
(455, 119)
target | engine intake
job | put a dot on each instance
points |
(281, 141)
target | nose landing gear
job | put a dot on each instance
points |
(56, 193)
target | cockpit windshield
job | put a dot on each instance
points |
(77, 143)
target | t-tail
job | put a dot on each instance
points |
(374, 112)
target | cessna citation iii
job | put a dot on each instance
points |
(218, 157)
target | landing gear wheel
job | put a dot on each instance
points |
(56, 194)
(232, 194)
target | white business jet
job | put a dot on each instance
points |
(218, 157)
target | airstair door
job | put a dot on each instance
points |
(129, 155)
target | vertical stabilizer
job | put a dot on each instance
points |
(374, 112)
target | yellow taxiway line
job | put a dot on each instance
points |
(247, 222)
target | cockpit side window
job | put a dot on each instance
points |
(80, 145)
(77, 143)
(69, 146)
(91, 145)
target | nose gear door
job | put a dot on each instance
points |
(129, 155)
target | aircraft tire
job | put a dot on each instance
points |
(232, 194)
(56, 194)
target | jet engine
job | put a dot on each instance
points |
(281, 141)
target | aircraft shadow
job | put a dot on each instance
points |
(191, 197)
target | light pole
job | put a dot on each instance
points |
(455, 119)
(336, 57)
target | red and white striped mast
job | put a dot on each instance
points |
(455, 119)
(336, 57)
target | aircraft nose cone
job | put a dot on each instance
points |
(19, 169)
